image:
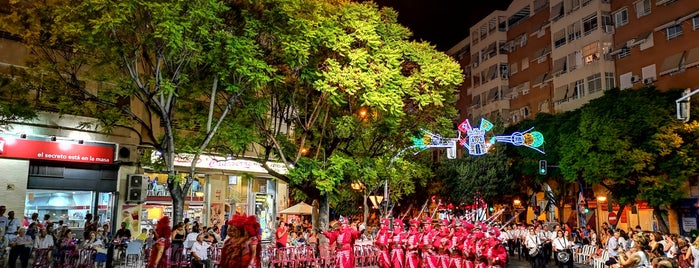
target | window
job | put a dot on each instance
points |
(642, 8)
(574, 31)
(625, 51)
(504, 71)
(574, 5)
(525, 64)
(586, 2)
(578, 89)
(609, 80)
(591, 52)
(524, 111)
(674, 31)
(695, 23)
(475, 38)
(589, 24)
(621, 17)
(559, 38)
(514, 68)
(594, 83)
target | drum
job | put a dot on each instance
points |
(563, 256)
(534, 251)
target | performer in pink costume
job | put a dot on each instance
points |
(397, 252)
(344, 239)
(429, 257)
(383, 238)
(412, 243)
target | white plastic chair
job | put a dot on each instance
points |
(134, 251)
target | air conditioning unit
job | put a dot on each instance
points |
(128, 154)
(649, 80)
(609, 29)
(136, 188)
(635, 79)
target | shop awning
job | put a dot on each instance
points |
(692, 58)
(298, 209)
(671, 63)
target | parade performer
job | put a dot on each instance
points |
(480, 246)
(397, 252)
(429, 257)
(455, 259)
(496, 252)
(383, 237)
(412, 244)
(158, 258)
(442, 244)
(343, 238)
(468, 249)
(242, 247)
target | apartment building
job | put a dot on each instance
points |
(462, 53)
(489, 67)
(656, 42)
(529, 47)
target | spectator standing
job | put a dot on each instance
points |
(3, 220)
(282, 235)
(13, 226)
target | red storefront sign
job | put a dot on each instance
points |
(65, 151)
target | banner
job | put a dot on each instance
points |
(65, 151)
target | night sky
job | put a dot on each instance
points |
(443, 23)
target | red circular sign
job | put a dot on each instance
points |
(612, 218)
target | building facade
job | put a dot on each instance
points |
(553, 56)
(53, 166)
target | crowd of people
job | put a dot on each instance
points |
(542, 243)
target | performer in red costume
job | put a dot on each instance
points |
(455, 260)
(469, 245)
(344, 239)
(429, 257)
(496, 254)
(383, 237)
(412, 244)
(443, 244)
(158, 258)
(397, 252)
(242, 248)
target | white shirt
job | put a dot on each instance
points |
(201, 249)
(532, 241)
(13, 226)
(3, 224)
(561, 243)
(45, 242)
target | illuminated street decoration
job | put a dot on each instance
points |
(476, 144)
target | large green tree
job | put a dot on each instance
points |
(352, 91)
(16, 104)
(142, 65)
(630, 143)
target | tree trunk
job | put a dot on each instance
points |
(662, 223)
(177, 200)
(618, 215)
(366, 209)
(314, 215)
(324, 213)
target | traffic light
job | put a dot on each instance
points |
(542, 167)
(587, 210)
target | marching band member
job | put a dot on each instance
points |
(562, 244)
(442, 244)
(533, 244)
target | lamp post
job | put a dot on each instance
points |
(600, 199)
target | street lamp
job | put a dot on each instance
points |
(517, 203)
(600, 199)
(376, 200)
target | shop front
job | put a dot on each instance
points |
(65, 179)
(232, 186)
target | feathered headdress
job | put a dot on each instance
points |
(343, 220)
(162, 228)
(252, 226)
